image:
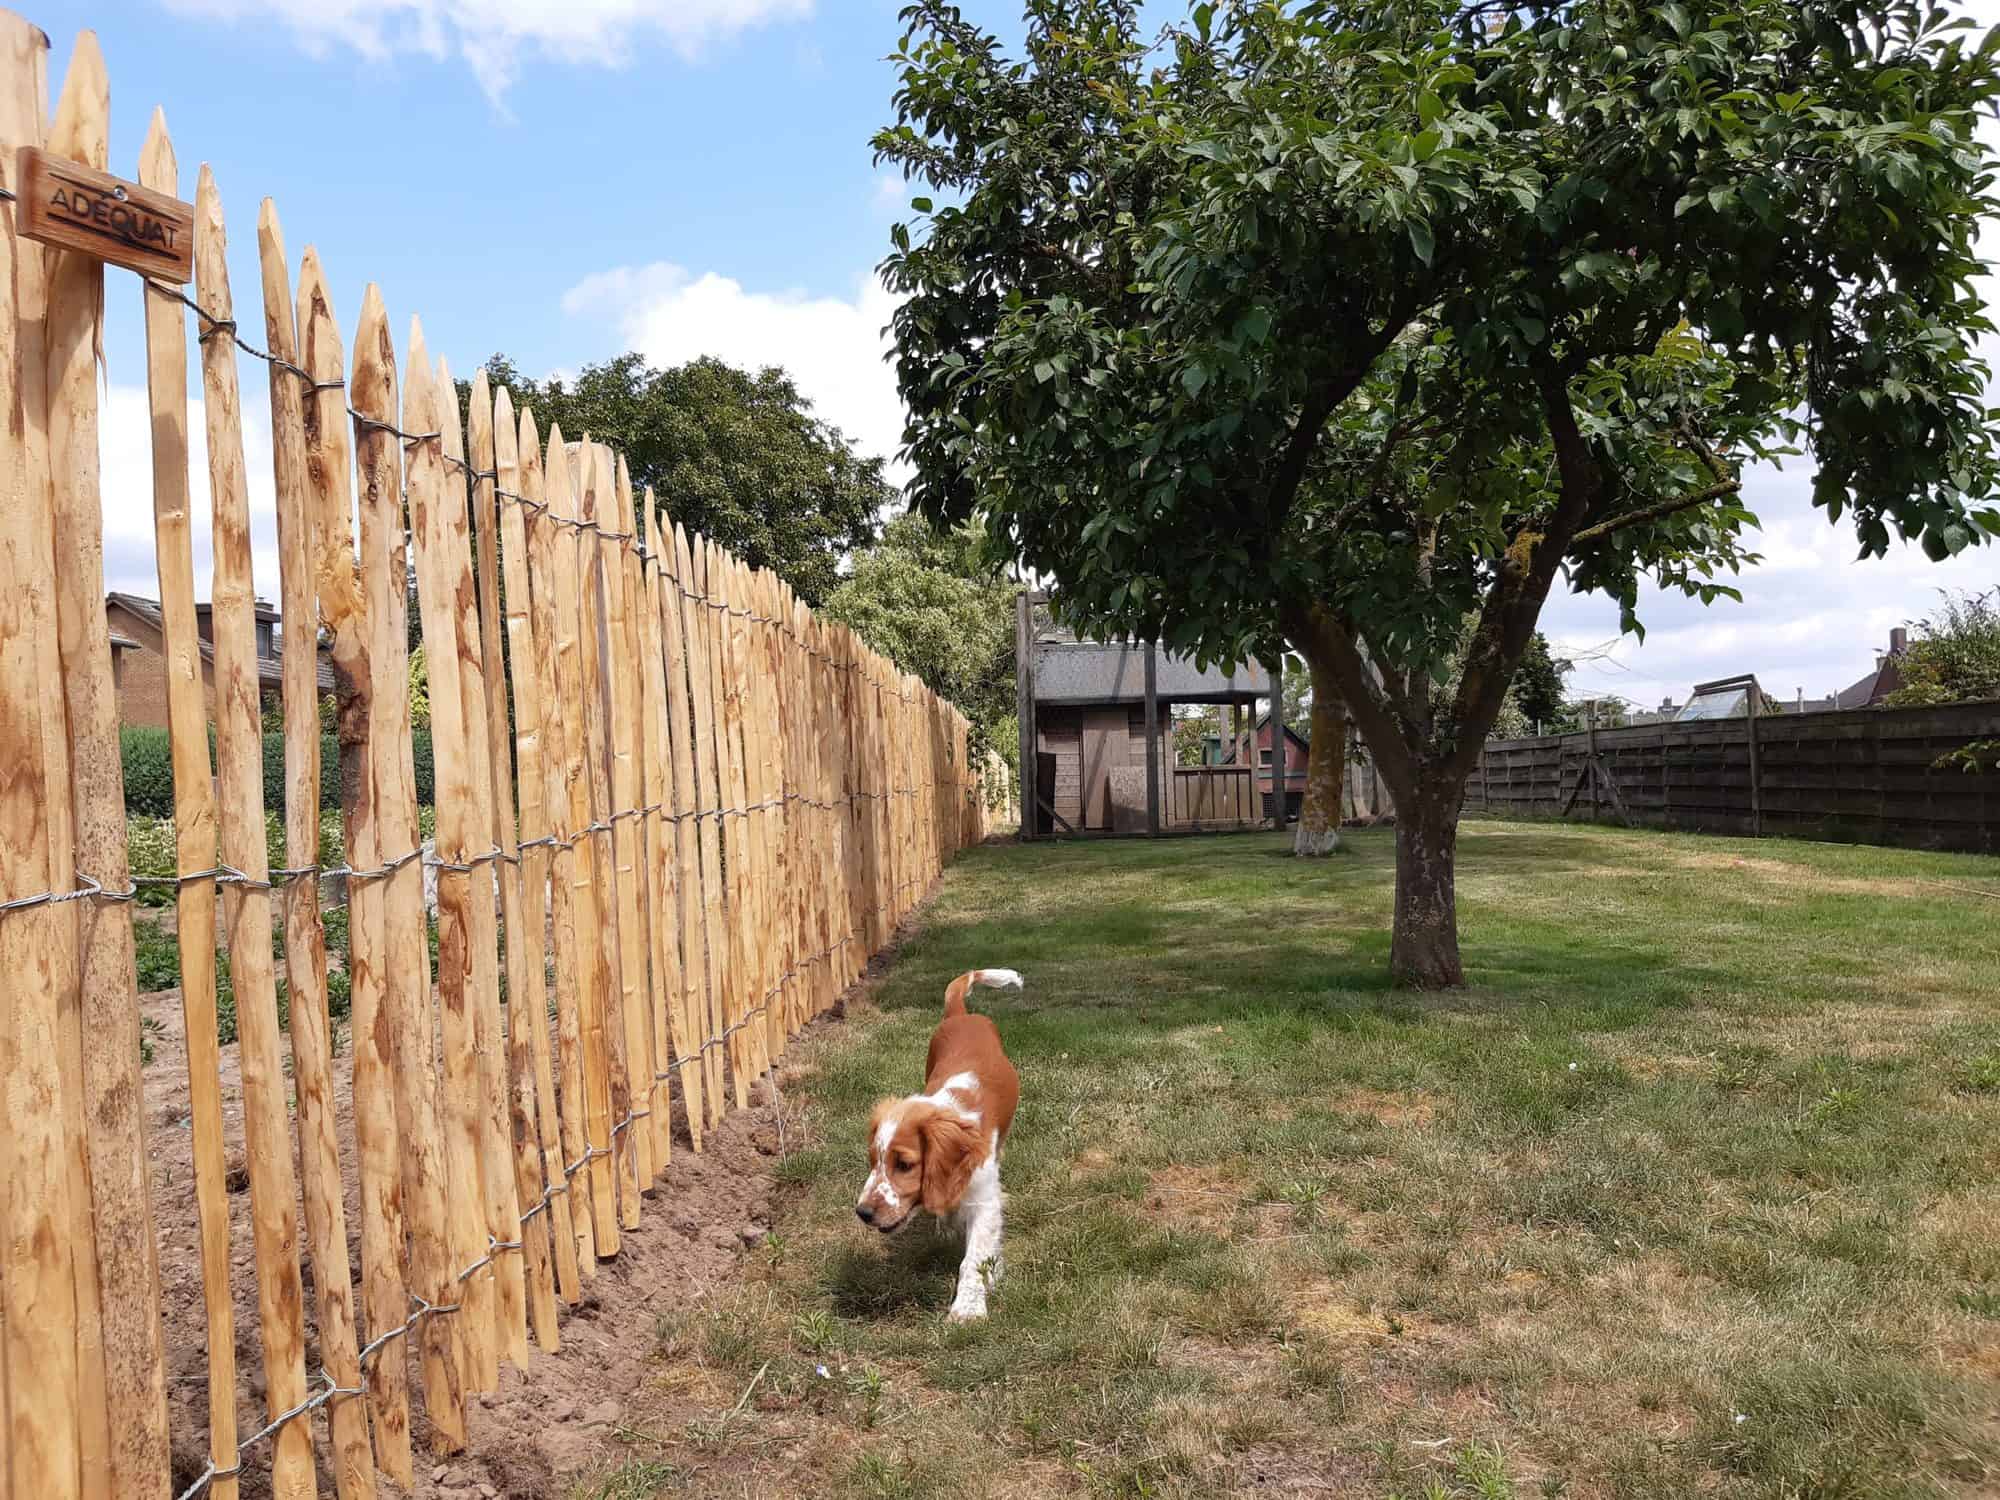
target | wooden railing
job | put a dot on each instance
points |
(1211, 797)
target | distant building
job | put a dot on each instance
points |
(139, 658)
(1084, 710)
(1727, 698)
(1298, 749)
(1870, 690)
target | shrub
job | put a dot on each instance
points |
(150, 850)
(274, 771)
(426, 768)
(158, 955)
(147, 758)
(1955, 657)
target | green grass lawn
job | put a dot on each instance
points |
(1693, 1192)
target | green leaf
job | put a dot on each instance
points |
(1424, 147)
(1534, 330)
(1677, 17)
(1421, 240)
(1193, 378)
(1430, 108)
(921, 205)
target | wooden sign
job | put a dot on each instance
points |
(79, 208)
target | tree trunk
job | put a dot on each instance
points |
(1326, 771)
(1424, 950)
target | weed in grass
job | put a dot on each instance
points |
(730, 1339)
(1981, 1302)
(670, 1335)
(1741, 1068)
(1982, 1074)
(814, 1329)
(1308, 1200)
(635, 1479)
(1483, 1472)
(868, 1387)
(150, 1029)
(874, 1476)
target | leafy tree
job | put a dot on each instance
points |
(736, 456)
(1192, 727)
(1538, 683)
(1346, 319)
(1955, 657)
(935, 604)
(1609, 712)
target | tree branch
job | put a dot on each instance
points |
(1656, 512)
(1291, 470)
(1098, 275)
(1526, 570)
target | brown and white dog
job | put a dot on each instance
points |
(940, 1150)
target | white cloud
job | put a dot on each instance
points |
(833, 347)
(125, 458)
(1812, 617)
(494, 35)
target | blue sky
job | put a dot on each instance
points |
(565, 179)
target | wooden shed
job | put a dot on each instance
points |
(1096, 734)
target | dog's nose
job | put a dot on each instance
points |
(864, 1213)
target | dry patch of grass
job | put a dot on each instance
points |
(1396, 1110)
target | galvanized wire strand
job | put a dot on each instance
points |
(213, 326)
(89, 888)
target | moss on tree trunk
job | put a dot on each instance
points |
(1326, 770)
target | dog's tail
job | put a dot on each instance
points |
(993, 979)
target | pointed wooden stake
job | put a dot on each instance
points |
(247, 907)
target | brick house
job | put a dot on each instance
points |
(1298, 750)
(139, 658)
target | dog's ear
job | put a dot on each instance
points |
(949, 1146)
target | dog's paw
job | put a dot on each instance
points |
(968, 1312)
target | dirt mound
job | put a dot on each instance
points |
(559, 1416)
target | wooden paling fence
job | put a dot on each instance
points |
(674, 808)
(1867, 775)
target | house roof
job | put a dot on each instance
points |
(1873, 688)
(1263, 721)
(1290, 733)
(270, 669)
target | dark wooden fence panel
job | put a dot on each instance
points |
(1863, 776)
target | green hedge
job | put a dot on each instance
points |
(149, 770)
